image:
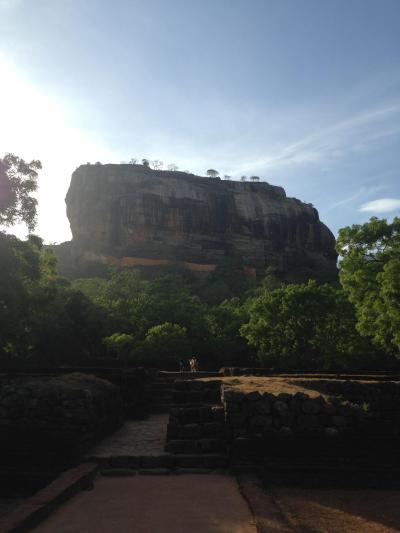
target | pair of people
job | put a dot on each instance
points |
(193, 364)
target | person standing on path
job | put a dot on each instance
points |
(194, 364)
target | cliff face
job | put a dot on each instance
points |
(130, 215)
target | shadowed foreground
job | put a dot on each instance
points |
(163, 504)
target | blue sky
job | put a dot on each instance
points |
(304, 93)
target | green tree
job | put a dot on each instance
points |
(304, 326)
(41, 316)
(227, 346)
(212, 173)
(370, 276)
(134, 305)
(166, 343)
(119, 344)
(18, 182)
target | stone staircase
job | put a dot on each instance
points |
(196, 428)
(190, 439)
(163, 394)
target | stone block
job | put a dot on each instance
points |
(179, 396)
(195, 396)
(118, 472)
(307, 421)
(284, 397)
(188, 460)
(217, 414)
(339, 421)
(182, 446)
(200, 414)
(214, 384)
(179, 471)
(157, 461)
(329, 408)
(210, 445)
(253, 396)
(301, 396)
(154, 471)
(198, 385)
(311, 406)
(261, 421)
(236, 419)
(231, 395)
(331, 432)
(214, 460)
(240, 431)
(263, 407)
(233, 407)
(213, 429)
(180, 385)
(211, 396)
(280, 407)
(192, 431)
(286, 431)
(124, 461)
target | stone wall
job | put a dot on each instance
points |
(351, 424)
(351, 407)
(48, 422)
(134, 383)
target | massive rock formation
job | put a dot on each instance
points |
(133, 216)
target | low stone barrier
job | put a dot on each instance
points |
(288, 414)
(48, 422)
(303, 433)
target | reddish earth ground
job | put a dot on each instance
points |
(155, 504)
(340, 511)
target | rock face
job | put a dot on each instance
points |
(133, 216)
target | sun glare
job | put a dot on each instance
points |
(36, 126)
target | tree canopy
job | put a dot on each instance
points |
(18, 182)
(370, 276)
(304, 326)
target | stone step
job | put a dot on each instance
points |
(195, 446)
(114, 472)
(161, 407)
(194, 415)
(184, 397)
(165, 461)
(208, 430)
(161, 397)
(162, 385)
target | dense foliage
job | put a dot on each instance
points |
(18, 182)
(370, 276)
(306, 326)
(41, 316)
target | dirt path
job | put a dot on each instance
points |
(155, 504)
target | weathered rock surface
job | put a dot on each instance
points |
(133, 216)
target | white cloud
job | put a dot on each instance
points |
(357, 133)
(382, 205)
(362, 192)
